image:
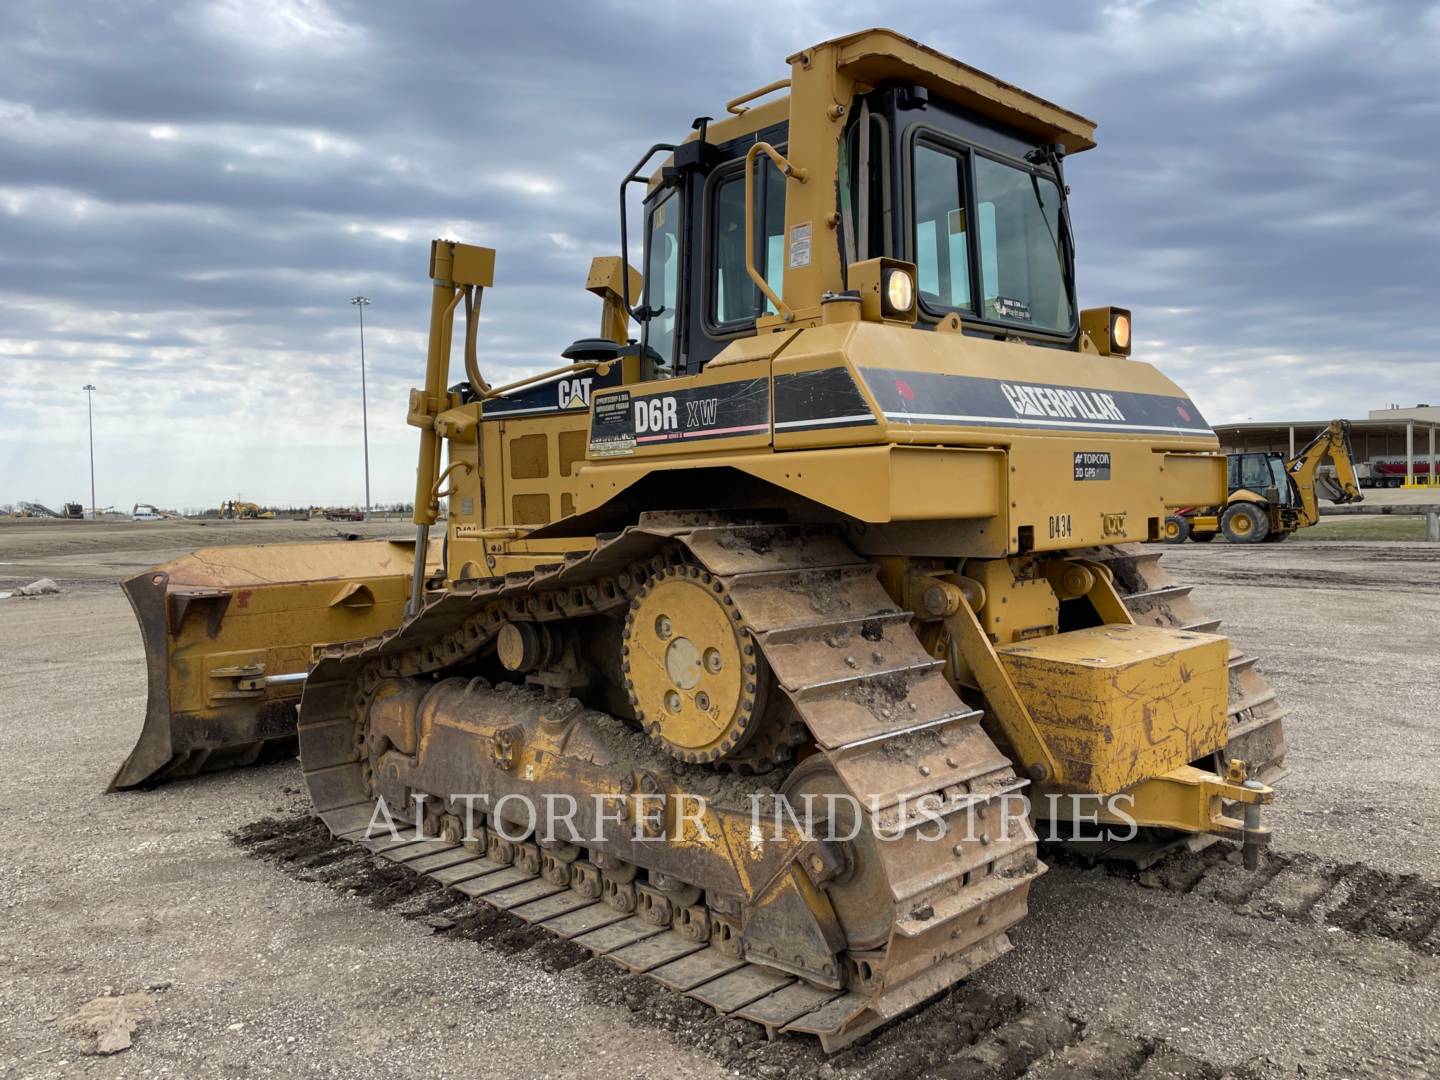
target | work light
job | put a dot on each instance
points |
(899, 292)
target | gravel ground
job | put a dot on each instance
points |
(1349, 636)
(241, 969)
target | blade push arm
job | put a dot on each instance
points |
(458, 272)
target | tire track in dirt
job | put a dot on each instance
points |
(966, 1034)
(1300, 888)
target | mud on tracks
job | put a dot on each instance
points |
(967, 1034)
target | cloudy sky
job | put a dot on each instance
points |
(190, 191)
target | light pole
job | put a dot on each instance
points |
(90, 412)
(360, 302)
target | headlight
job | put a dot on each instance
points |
(1107, 330)
(1120, 332)
(899, 292)
(886, 288)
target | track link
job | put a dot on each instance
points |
(875, 703)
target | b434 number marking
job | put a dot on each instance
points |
(1059, 526)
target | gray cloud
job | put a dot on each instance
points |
(189, 192)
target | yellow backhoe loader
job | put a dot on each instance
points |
(1271, 497)
(810, 605)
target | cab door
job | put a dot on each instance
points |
(695, 311)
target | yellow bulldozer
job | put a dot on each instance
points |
(1270, 497)
(813, 600)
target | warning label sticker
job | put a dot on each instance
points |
(611, 434)
(799, 246)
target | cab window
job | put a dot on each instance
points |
(988, 239)
(865, 187)
(1255, 472)
(942, 233)
(734, 300)
(662, 277)
(1021, 259)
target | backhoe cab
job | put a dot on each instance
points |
(1271, 497)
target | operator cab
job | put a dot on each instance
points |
(975, 206)
(1265, 475)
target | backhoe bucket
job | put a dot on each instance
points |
(228, 633)
(1327, 488)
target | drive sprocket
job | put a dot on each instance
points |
(693, 674)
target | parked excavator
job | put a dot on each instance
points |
(234, 509)
(1271, 497)
(856, 516)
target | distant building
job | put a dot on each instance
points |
(1400, 412)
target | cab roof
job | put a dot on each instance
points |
(879, 56)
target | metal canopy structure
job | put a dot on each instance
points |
(1409, 440)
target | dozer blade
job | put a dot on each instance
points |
(228, 633)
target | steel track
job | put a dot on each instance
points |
(877, 705)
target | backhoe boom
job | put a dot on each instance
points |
(1303, 468)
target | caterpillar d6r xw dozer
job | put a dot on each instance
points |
(763, 644)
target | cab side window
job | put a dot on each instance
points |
(1255, 472)
(865, 186)
(732, 296)
(734, 301)
(662, 278)
(942, 233)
